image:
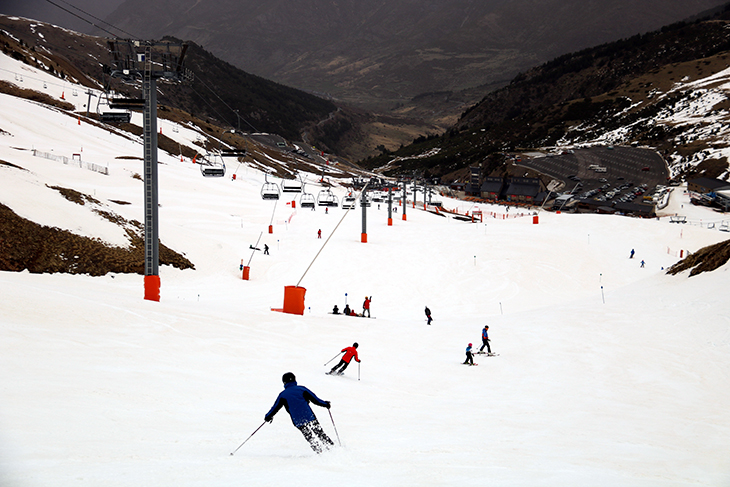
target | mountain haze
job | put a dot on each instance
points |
(378, 54)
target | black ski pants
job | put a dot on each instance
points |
(315, 435)
(485, 343)
(341, 366)
(469, 358)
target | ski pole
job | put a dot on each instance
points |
(335, 427)
(358, 371)
(330, 360)
(239, 446)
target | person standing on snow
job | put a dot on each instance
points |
(319, 233)
(295, 399)
(350, 353)
(366, 306)
(428, 315)
(266, 249)
(632, 254)
(485, 340)
(469, 357)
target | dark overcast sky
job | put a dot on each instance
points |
(47, 12)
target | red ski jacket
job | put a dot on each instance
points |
(350, 352)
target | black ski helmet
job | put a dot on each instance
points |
(355, 345)
(288, 377)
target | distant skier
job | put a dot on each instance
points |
(469, 357)
(485, 340)
(632, 254)
(335, 310)
(266, 249)
(366, 306)
(350, 353)
(642, 263)
(346, 311)
(295, 399)
(428, 315)
(319, 233)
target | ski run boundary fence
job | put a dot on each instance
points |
(73, 162)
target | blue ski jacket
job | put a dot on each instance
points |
(485, 335)
(295, 399)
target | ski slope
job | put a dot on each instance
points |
(609, 374)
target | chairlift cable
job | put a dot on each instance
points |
(197, 76)
(207, 103)
(87, 20)
(254, 249)
(328, 239)
(271, 222)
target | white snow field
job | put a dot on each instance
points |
(609, 374)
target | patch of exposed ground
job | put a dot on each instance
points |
(704, 260)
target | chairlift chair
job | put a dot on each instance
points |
(212, 166)
(269, 191)
(291, 186)
(348, 203)
(112, 116)
(327, 198)
(306, 200)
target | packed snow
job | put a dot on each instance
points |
(608, 374)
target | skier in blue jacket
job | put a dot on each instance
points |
(485, 340)
(469, 357)
(295, 399)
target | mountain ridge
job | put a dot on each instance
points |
(377, 54)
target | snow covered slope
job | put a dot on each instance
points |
(609, 373)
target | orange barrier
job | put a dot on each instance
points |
(246, 271)
(364, 237)
(535, 220)
(152, 288)
(294, 300)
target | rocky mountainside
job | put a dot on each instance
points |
(380, 54)
(666, 89)
(218, 91)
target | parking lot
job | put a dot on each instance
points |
(604, 173)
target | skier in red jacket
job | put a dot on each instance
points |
(366, 306)
(350, 353)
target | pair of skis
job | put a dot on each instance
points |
(481, 353)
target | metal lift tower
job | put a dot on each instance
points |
(149, 61)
